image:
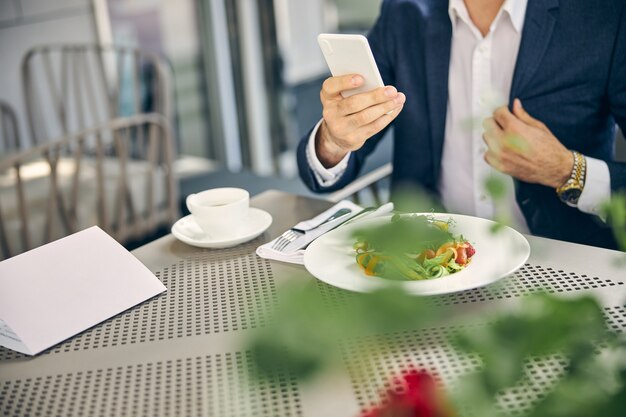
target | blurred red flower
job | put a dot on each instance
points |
(414, 394)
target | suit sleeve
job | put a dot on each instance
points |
(617, 99)
(381, 42)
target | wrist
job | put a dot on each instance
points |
(564, 170)
(326, 149)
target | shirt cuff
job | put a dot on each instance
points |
(597, 189)
(324, 176)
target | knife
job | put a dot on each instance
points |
(335, 215)
(312, 234)
(309, 236)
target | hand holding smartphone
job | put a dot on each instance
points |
(355, 108)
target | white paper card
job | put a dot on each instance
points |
(60, 289)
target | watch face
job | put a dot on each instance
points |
(571, 195)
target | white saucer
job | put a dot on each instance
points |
(188, 231)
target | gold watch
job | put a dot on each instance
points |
(570, 191)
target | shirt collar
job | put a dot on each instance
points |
(515, 8)
(457, 10)
(517, 12)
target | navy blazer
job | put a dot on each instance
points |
(570, 74)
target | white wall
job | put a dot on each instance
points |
(25, 23)
(298, 24)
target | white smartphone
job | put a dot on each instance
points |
(350, 54)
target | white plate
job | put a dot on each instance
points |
(188, 231)
(331, 258)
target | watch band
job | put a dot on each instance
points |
(571, 190)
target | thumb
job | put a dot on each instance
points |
(523, 115)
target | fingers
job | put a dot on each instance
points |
(502, 144)
(370, 114)
(493, 160)
(378, 124)
(490, 125)
(511, 121)
(519, 131)
(359, 102)
(505, 118)
(523, 147)
(521, 114)
(333, 86)
(492, 134)
(350, 121)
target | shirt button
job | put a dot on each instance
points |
(481, 49)
(483, 197)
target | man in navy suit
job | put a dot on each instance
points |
(526, 90)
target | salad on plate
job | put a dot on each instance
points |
(411, 248)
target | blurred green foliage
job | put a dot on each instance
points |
(495, 188)
(615, 213)
(517, 143)
(572, 330)
(409, 198)
(306, 334)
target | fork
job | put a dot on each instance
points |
(285, 239)
(292, 234)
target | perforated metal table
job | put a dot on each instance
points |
(180, 354)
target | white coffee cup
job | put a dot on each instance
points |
(220, 212)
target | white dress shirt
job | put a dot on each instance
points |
(479, 81)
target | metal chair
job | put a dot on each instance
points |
(9, 131)
(118, 176)
(69, 88)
